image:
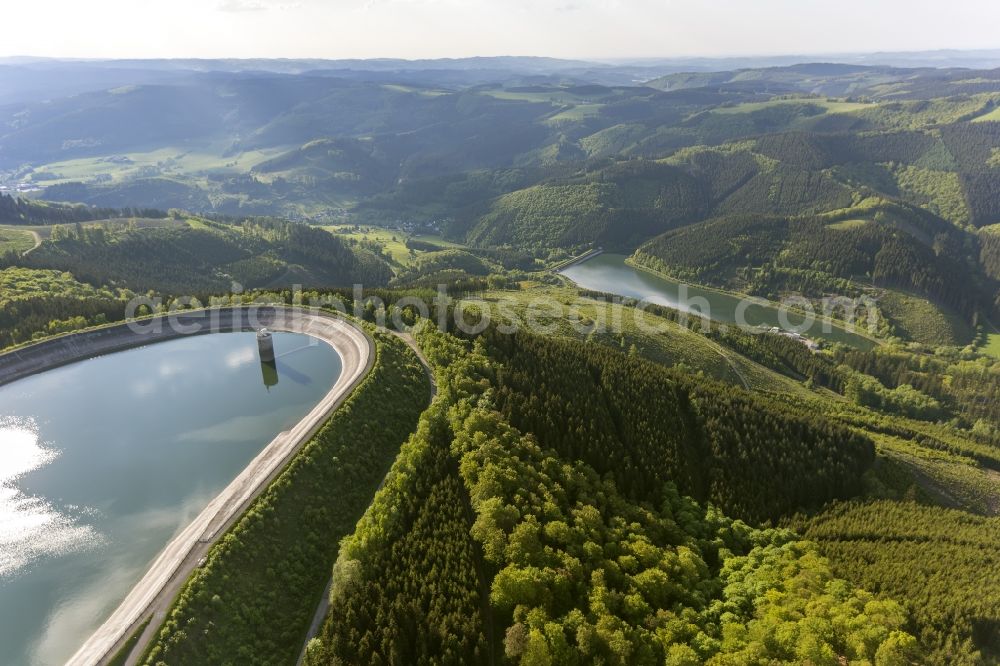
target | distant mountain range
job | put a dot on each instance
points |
(24, 79)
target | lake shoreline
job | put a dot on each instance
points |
(836, 323)
(642, 283)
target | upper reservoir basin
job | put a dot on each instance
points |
(610, 274)
(104, 460)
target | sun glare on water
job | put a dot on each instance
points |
(30, 527)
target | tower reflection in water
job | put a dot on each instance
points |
(268, 365)
(269, 369)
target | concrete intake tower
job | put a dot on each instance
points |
(265, 345)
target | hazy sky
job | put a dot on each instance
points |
(454, 28)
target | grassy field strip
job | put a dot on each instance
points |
(991, 116)
(18, 240)
(848, 224)
(992, 346)
(830, 106)
(171, 160)
(393, 241)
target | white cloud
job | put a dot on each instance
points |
(242, 6)
(238, 6)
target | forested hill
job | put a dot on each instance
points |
(951, 171)
(645, 426)
(493, 544)
(619, 205)
(17, 210)
(566, 502)
(876, 243)
(322, 145)
(198, 256)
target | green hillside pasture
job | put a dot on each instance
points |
(852, 223)
(15, 240)
(830, 106)
(576, 113)
(173, 161)
(574, 107)
(989, 116)
(437, 240)
(393, 242)
(554, 96)
(43, 231)
(423, 92)
(992, 346)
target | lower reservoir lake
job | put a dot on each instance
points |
(103, 461)
(610, 274)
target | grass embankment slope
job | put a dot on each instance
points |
(121, 657)
(253, 600)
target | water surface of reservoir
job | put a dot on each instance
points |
(104, 460)
(610, 274)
